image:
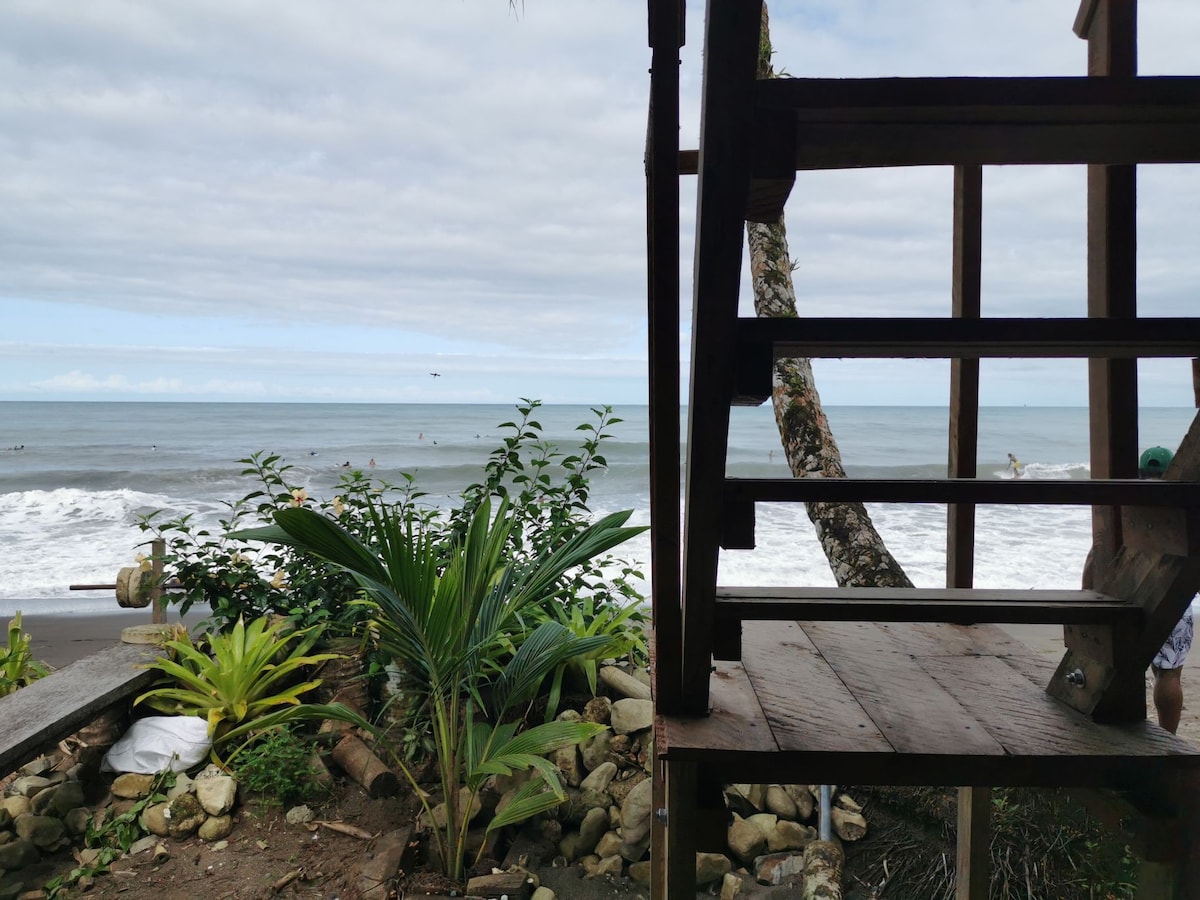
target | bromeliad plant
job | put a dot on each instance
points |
(17, 665)
(242, 683)
(447, 613)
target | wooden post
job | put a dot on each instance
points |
(681, 781)
(158, 610)
(973, 871)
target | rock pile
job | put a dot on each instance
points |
(44, 811)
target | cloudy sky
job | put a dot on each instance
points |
(310, 200)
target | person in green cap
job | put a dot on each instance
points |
(1167, 665)
(1168, 662)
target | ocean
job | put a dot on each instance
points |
(74, 477)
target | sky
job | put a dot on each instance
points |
(310, 200)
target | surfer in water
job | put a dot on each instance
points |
(1014, 466)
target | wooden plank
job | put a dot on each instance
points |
(662, 254)
(912, 711)
(921, 639)
(962, 606)
(966, 280)
(963, 490)
(1124, 100)
(680, 835)
(54, 707)
(731, 44)
(735, 720)
(942, 338)
(973, 867)
(808, 706)
(1031, 724)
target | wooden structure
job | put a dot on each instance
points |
(41, 714)
(881, 686)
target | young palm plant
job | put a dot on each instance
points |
(445, 614)
(17, 665)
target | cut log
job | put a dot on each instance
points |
(356, 760)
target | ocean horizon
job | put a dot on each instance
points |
(76, 475)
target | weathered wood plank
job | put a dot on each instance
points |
(54, 707)
(736, 720)
(808, 706)
(962, 490)
(963, 606)
(971, 100)
(913, 712)
(992, 337)
(924, 639)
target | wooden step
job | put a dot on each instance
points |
(959, 606)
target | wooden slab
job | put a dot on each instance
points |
(54, 707)
(914, 713)
(735, 723)
(809, 707)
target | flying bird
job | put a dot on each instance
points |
(436, 374)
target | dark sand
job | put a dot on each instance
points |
(62, 638)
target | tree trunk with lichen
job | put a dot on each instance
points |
(855, 551)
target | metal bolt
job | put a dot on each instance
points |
(1076, 678)
(661, 815)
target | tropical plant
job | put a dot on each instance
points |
(278, 766)
(17, 665)
(443, 613)
(242, 683)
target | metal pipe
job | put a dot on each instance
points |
(112, 587)
(824, 821)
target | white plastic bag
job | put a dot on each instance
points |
(157, 743)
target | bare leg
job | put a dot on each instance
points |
(1168, 697)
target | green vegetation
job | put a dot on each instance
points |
(241, 682)
(278, 767)
(17, 665)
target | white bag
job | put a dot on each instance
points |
(157, 743)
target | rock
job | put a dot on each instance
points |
(746, 840)
(18, 854)
(567, 760)
(299, 815)
(155, 820)
(186, 815)
(803, 798)
(39, 766)
(141, 846)
(599, 778)
(731, 886)
(219, 845)
(215, 828)
(17, 805)
(67, 796)
(543, 893)
(775, 867)
(498, 883)
(778, 802)
(464, 796)
(622, 684)
(598, 710)
(635, 821)
(132, 786)
(183, 785)
(29, 785)
(711, 867)
(764, 822)
(569, 846)
(593, 827)
(629, 716)
(640, 872)
(77, 820)
(789, 835)
(846, 802)
(588, 864)
(5, 818)
(536, 842)
(216, 793)
(41, 831)
(382, 863)
(620, 789)
(746, 799)
(596, 750)
(608, 845)
(608, 865)
(849, 826)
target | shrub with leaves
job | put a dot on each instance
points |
(17, 665)
(278, 766)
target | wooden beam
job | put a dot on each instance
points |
(933, 338)
(961, 606)
(966, 280)
(1066, 492)
(731, 56)
(973, 867)
(662, 254)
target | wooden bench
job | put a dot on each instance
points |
(43, 713)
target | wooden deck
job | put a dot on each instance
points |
(919, 704)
